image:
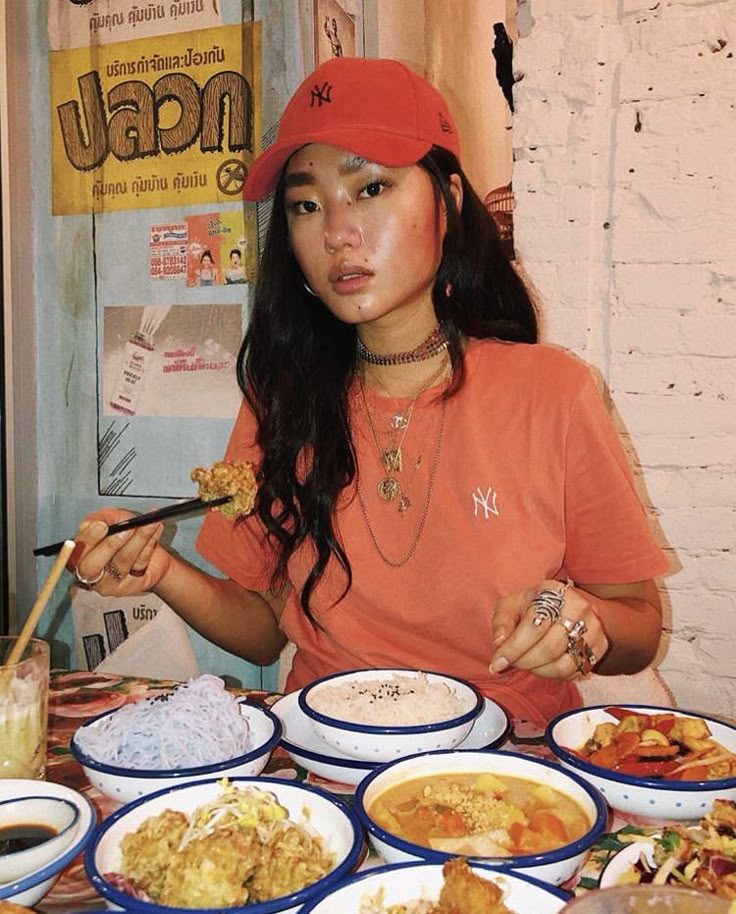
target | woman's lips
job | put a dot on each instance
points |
(347, 280)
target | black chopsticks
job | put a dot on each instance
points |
(140, 520)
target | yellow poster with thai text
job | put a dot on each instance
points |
(170, 121)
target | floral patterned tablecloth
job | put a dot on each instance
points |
(76, 697)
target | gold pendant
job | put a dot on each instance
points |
(399, 421)
(391, 459)
(389, 488)
(404, 503)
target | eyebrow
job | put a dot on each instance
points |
(349, 166)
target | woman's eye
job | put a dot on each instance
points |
(374, 189)
(302, 207)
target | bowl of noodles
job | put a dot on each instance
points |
(196, 732)
(252, 845)
(519, 813)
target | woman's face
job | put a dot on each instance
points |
(368, 238)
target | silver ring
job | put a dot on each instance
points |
(112, 570)
(575, 630)
(582, 655)
(88, 583)
(547, 604)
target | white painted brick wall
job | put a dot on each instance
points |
(625, 183)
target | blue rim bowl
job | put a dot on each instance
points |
(181, 774)
(657, 797)
(85, 825)
(123, 900)
(372, 879)
(549, 866)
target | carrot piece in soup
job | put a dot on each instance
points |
(546, 823)
(525, 840)
(452, 823)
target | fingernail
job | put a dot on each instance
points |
(98, 528)
(499, 665)
(123, 535)
(84, 525)
(500, 636)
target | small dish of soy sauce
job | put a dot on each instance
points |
(33, 831)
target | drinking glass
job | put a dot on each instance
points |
(647, 899)
(24, 696)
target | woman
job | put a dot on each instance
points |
(432, 479)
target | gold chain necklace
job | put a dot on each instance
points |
(391, 458)
(397, 563)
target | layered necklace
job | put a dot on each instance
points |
(390, 487)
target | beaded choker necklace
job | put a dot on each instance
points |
(435, 343)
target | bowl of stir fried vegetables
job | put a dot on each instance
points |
(658, 762)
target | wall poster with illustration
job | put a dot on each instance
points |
(338, 29)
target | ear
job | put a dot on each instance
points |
(456, 189)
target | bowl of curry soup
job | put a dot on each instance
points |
(519, 813)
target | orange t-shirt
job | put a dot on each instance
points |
(519, 478)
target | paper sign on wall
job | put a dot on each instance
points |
(169, 121)
(76, 23)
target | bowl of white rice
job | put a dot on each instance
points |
(378, 715)
(196, 732)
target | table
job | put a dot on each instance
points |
(76, 696)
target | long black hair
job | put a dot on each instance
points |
(298, 361)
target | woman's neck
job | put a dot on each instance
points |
(405, 380)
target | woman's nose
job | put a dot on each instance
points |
(342, 230)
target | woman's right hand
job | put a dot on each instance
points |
(124, 564)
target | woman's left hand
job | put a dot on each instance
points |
(552, 630)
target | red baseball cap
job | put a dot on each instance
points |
(378, 109)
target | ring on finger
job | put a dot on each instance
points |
(583, 655)
(113, 571)
(548, 603)
(137, 572)
(88, 583)
(575, 628)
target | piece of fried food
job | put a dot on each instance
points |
(228, 478)
(9, 907)
(213, 871)
(290, 860)
(465, 892)
(148, 850)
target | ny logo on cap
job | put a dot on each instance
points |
(321, 95)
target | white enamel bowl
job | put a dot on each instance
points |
(126, 784)
(554, 867)
(325, 814)
(58, 805)
(654, 798)
(489, 731)
(402, 882)
(56, 815)
(382, 743)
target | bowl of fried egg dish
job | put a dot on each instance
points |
(436, 888)
(196, 732)
(252, 845)
(520, 813)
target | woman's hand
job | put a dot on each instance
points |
(561, 642)
(123, 564)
